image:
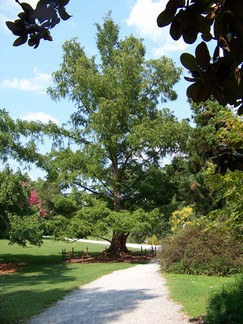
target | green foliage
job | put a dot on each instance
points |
(229, 187)
(64, 205)
(226, 305)
(25, 229)
(13, 197)
(57, 227)
(194, 250)
(218, 137)
(11, 140)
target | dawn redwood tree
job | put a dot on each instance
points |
(117, 127)
(12, 145)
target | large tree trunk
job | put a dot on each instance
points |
(118, 244)
(118, 241)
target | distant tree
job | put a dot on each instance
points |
(13, 196)
(220, 74)
(19, 221)
(216, 137)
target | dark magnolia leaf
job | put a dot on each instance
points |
(41, 12)
(232, 165)
(223, 169)
(165, 17)
(203, 56)
(46, 24)
(238, 165)
(218, 93)
(55, 21)
(21, 15)
(37, 43)
(20, 41)
(64, 2)
(240, 110)
(206, 36)
(189, 62)
(15, 29)
(176, 29)
(190, 79)
(216, 53)
(46, 35)
(26, 7)
(238, 155)
(63, 13)
(32, 42)
(189, 35)
(198, 92)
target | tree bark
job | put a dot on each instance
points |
(118, 244)
(118, 241)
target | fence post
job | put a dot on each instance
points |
(64, 254)
(87, 251)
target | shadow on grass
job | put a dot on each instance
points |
(19, 306)
(30, 290)
(94, 305)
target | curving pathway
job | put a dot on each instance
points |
(136, 295)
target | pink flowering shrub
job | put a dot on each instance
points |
(35, 201)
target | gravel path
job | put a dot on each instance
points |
(135, 295)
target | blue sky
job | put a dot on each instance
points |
(25, 73)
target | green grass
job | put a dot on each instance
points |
(45, 279)
(194, 291)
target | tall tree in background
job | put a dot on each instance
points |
(117, 126)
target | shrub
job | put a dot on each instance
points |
(182, 217)
(226, 306)
(196, 251)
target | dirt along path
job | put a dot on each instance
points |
(135, 295)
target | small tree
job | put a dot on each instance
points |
(19, 222)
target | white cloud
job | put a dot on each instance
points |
(38, 83)
(143, 17)
(40, 116)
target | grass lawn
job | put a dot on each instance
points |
(193, 291)
(44, 279)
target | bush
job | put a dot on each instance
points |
(196, 251)
(226, 306)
